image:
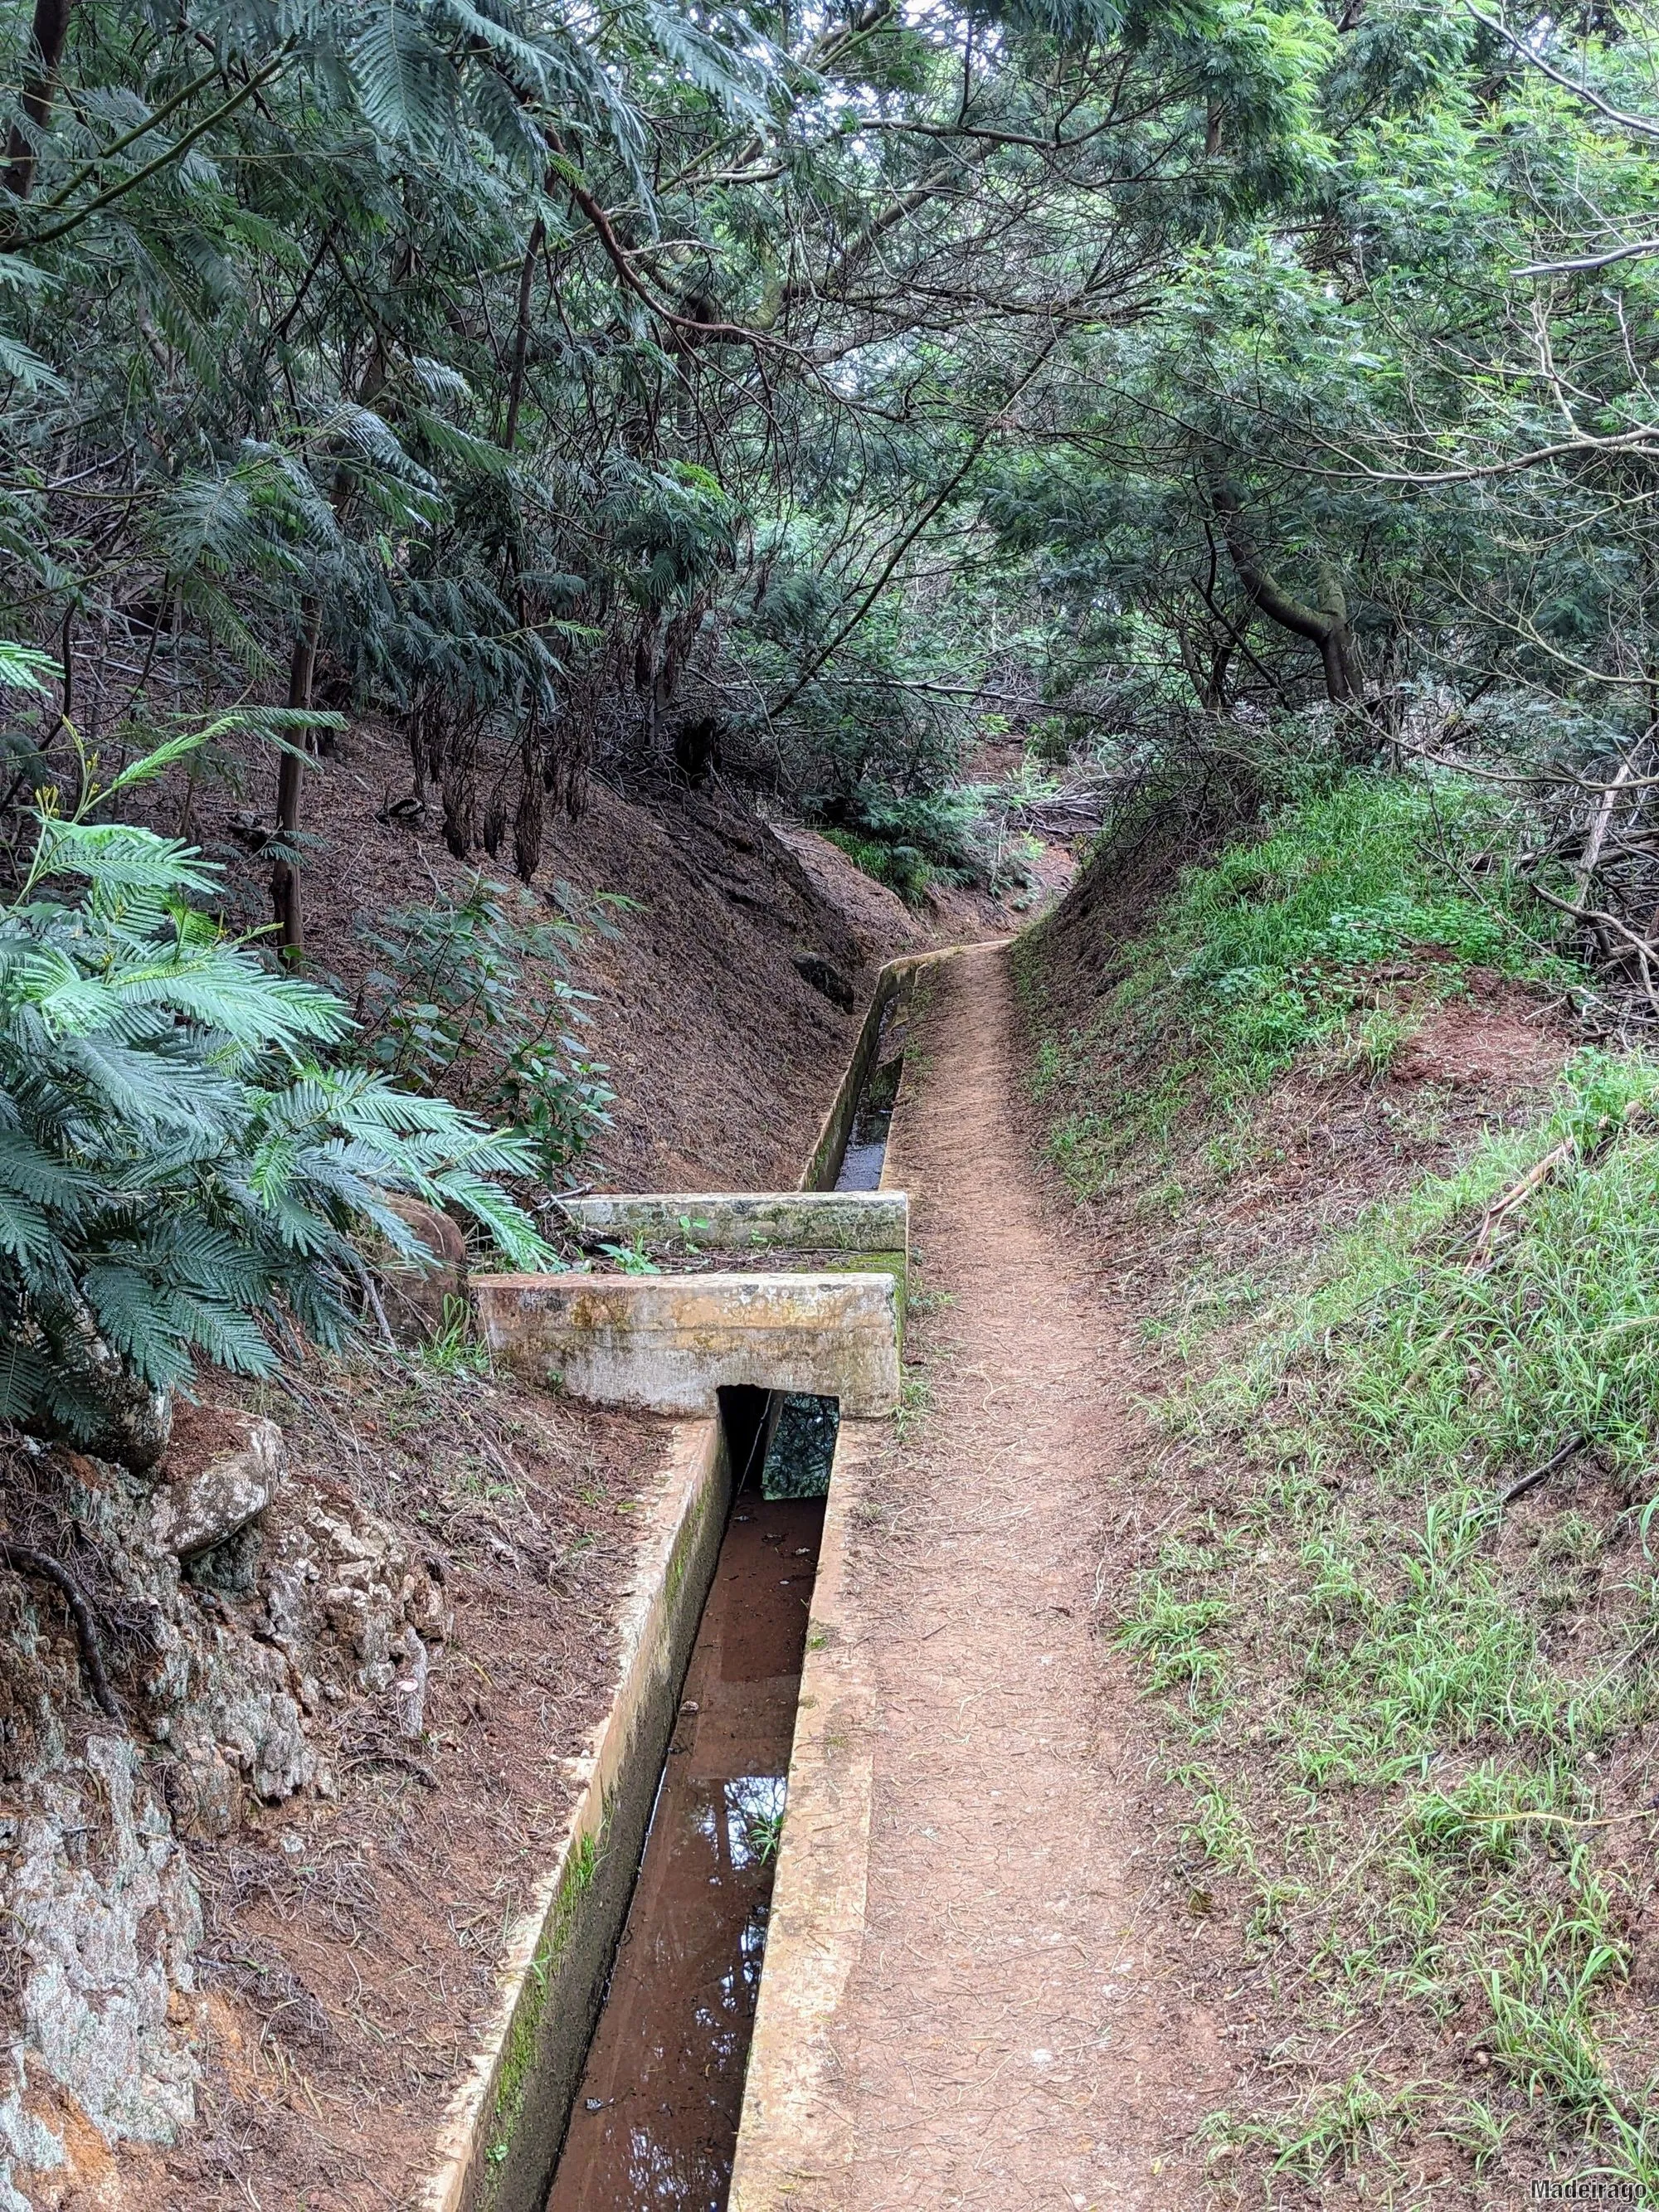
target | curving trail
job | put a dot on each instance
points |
(1020, 2027)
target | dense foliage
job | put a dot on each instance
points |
(737, 390)
(185, 1162)
(555, 382)
(1199, 390)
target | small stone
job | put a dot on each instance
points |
(212, 1494)
(420, 1301)
(409, 1691)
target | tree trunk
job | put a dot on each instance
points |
(521, 335)
(284, 875)
(1325, 627)
(47, 42)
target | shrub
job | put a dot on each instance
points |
(901, 867)
(450, 1007)
(177, 1169)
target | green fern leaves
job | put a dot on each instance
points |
(179, 1168)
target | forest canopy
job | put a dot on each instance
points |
(778, 393)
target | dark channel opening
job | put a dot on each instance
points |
(655, 2123)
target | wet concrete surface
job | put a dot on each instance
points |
(655, 2120)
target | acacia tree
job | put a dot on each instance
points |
(1395, 427)
(552, 382)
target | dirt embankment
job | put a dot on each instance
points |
(1193, 1192)
(1398, 1998)
(254, 1922)
(254, 1911)
(727, 986)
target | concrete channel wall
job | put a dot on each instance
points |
(793, 2145)
(823, 1164)
(669, 1343)
(791, 2141)
(501, 2141)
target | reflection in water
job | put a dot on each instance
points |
(865, 1157)
(656, 2116)
(803, 1447)
(866, 1154)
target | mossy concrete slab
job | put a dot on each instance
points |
(749, 1221)
(668, 1344)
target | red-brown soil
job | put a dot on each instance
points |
(351, 1945)
(1501, 1038)
(1036, 2017)
(722, 1056)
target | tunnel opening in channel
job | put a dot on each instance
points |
(654, 2120)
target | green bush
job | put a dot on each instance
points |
(927, 837)
(450, 1007)
(179, 1170)
(901, 867)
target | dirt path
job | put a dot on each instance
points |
(1022, 2027)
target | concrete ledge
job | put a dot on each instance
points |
(669, 1343)
(793, 2146)
(751, 1221)
(892, 981)
(501, 2138)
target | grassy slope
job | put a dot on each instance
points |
(1414, 1726)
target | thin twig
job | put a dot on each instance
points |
(1531, 1479)
(1537, 1173)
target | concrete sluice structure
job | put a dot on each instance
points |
(819, 1310)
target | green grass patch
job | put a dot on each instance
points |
(1350, 913)
(1413, 1699)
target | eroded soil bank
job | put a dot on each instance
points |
(272, 1925)
(1382, 1568)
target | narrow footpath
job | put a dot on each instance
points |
(1030, 2020)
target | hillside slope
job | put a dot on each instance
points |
(722, 1054)
(1325, 1115)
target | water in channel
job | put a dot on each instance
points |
(655, 2120)
(866, 1143)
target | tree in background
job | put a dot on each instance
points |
(570, 388)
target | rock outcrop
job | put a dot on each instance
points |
(240, 1615)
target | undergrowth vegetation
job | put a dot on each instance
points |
(1367, 899)
(1401, 1635)
(187, 1151)
(1407, 1640)
(449, 1010)
(966, 834)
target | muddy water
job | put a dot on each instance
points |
(655, 2120)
